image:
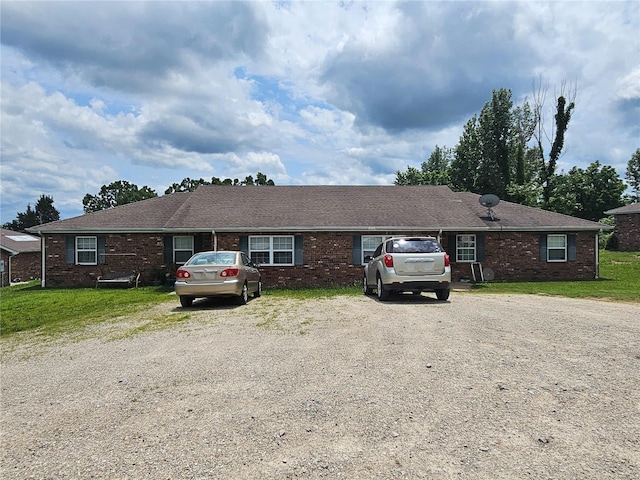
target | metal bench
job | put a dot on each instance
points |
(119, 278)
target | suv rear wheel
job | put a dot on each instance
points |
(443, 294)
(383, 293)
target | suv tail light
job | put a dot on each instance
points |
(388, 260)
(447, 260)
(229, 272)
(180, 273)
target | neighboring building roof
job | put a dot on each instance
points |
(633, 208)
(18, 242)
(305, 208)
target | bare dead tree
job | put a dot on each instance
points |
(564, 107)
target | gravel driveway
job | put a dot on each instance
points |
(481, 387)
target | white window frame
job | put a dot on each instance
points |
(470, 245)
(371, 251)
(93, 249)
(190, 250)
(271, 250)
(557, 248)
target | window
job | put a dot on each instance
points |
(556, 248)
(87, 250)
(369, 245)
(182, 249)
(271, 250)
(466, 248)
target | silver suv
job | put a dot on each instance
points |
(408, 264)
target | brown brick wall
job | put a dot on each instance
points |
(24, 266)
(515, 256)
(627, 230)
(124, 252)
(328, 259)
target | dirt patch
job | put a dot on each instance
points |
(495, 386)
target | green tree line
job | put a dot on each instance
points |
(502, 151)
(118, 193)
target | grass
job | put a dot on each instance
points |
(619, 281)
(50, 312)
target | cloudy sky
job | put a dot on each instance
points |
(306, 92)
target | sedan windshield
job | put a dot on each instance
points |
(213, 259)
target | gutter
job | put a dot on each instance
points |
(332, 228)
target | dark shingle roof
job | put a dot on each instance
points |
(146, 215)
(627, 209)
(513, 216)
(17, 242)
(300, 208)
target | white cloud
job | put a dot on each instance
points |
(305, 92)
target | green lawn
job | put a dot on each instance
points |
(53, 311)
(56, 310)
(619, 280)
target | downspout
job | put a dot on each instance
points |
(440, 236)
(215, 241)
(43, 282)
(9, 271)
(597, 256)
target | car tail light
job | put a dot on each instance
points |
(388, 260)
(447, 260)
(229, 272)
(182, 273)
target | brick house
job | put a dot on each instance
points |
(20, 253)
(318, 235)
(627, 227)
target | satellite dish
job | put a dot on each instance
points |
(489, 200)
(488, 274)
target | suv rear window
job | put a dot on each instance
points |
(413, 245)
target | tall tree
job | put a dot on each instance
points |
(494, 170)
(189, 185)
(468, 152)
(186, 185)
(117, 193)
(435, 171)
(587, 193)
(633, 175)
(564, 108)
(44, 212)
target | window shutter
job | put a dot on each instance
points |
(357, 249)
(244, 244)
(167, 249)
(543, 248)
(480, 247)
(298, 253)
(571, 244)
(102, 250)
(197, 243)
(451, 247)
(71, 249)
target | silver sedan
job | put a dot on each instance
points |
(212, 274)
